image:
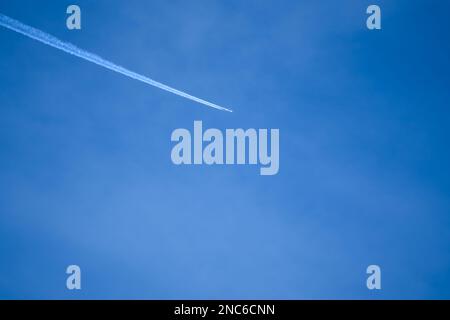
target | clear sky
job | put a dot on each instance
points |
(86, 176)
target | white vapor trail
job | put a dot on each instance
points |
(52, 41)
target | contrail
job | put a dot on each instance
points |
(52, 41)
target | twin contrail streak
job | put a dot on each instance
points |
(52, 41)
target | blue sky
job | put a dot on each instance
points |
(86, 176)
